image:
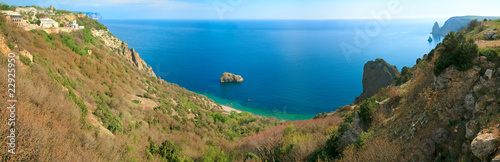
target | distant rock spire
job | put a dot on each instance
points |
(436, 29)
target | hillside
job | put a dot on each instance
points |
(85, 95)
(445, 109)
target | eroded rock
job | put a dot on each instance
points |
(483, 145)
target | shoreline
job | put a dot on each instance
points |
(228, 109)
(228, 105)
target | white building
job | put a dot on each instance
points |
(13, 17)
(74, 24)
(47, 23)
(26, 10)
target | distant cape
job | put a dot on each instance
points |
(93, 15)
(456, 23)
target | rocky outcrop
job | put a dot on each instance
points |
(230, 78)
(376, 75)
(123, 50)
(490, 35)
(455, 86)
(435, 28)
(351, 135)
(484, 145)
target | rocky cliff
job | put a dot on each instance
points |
(376, 74)
(122, 49)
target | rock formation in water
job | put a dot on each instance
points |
(435, 28)
(230, 78)
(376, 75)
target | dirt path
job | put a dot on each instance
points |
(483, 43)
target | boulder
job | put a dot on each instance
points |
(483, 145)
(488, 73)
(230, 78)
(490, 35)
(376, 75)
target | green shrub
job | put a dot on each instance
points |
(218, 117)
(321, 116)
(78, 102)
(89, 38)
(473, 24)
(90, 23)
(334, 145)
(490, 53)
(26, 60)
(109, 120)
(366, 110)
(405, 76)
(11, 46)
(214, 153)
(363, 138)
(168, 150)
(456, 50)
(67, 39)
(288, 130)
(136, 101)
(5, 7)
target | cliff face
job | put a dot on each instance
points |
(376, 74)
(122, 49)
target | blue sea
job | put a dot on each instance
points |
(292, 69)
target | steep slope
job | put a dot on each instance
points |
(87, 96)
(447, 110)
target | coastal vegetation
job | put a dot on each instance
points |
(103, 107)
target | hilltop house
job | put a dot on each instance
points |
(75, 25)
(13, 17)
(47, 23)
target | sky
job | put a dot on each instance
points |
(272, 9)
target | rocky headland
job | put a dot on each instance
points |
(456, 23)
(376, 75)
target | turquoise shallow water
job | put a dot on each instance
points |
(293, 69)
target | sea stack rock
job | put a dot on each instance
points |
(430, 39)
(230, 78)
(376, 75)
(435, 29)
